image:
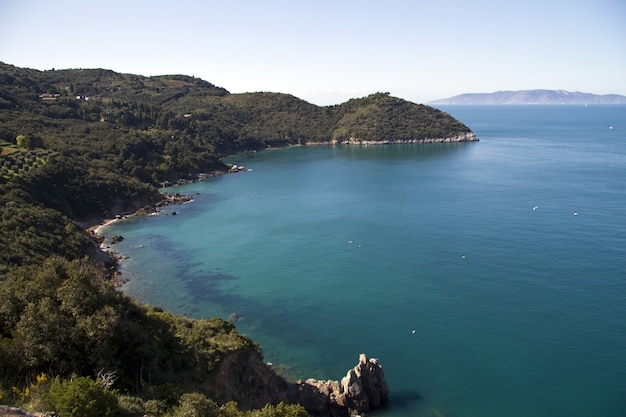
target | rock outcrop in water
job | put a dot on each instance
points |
(362, 389)
(245, 378)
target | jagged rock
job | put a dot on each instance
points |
(242, 376)
(362, 389)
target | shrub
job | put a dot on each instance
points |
(130, 406)
(281, 410)
(81, 397)
(155, 407)
(195, 405)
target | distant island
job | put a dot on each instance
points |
(533, 97)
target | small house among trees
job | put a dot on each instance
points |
(49, 98)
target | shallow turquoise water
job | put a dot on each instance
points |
(507, 257)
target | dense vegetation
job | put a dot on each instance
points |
(159, 128)
(82, 144)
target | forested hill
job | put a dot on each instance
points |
(161, 127)
(80, 144)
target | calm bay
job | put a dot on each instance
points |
(489, 278)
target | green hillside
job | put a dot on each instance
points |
(165, 127)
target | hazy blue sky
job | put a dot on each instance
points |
(328, 51)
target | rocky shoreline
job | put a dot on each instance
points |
(94, 227)
(460, 138)
(243, 377)
(464, 137)
(103, 252)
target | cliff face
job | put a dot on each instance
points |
(243, 377)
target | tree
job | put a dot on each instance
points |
(22, 141)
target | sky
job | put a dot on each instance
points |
(327, 52)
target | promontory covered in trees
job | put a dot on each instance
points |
(82, 144)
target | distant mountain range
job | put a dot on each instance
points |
(533, 97)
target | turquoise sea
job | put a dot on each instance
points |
(489, 278)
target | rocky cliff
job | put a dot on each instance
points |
(245, 378)
(362, 389)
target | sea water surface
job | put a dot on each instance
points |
(488, 278)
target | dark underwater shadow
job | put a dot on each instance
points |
(403, 400)
(411, 403)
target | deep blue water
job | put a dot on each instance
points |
(489, 278)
